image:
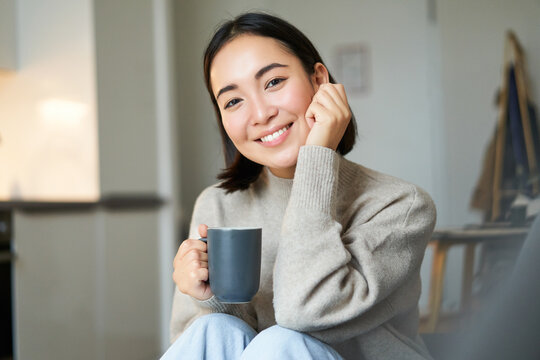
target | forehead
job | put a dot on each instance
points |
(245, 55)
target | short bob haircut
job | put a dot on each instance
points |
(240, 172)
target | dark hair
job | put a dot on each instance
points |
(240, 172)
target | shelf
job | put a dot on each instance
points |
(113, 202)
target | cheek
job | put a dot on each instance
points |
(297, 100)
(235, 129)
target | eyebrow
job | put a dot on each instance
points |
(225, 89)
(267, 68)
(258, 75)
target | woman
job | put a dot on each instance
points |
(342, 244)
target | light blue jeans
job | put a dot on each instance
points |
(226, 337)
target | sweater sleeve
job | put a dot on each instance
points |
(335, 282)
(186, 309)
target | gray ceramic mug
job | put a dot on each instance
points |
(234, 263)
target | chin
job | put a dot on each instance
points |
(285, 161)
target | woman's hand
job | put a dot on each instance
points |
(328, 116)
(191, 267)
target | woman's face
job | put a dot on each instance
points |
(263, 93)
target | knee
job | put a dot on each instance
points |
(220, 323)
(278, 342)
(213, 336)
(215, 318)
(280, 336)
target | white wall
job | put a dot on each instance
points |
(8, 39)
(48, 119)
(125, 88)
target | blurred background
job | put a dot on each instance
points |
(107, 136)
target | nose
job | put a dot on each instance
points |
(262, 110)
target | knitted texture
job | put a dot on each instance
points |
(341, 255)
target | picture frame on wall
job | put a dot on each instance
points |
(353, 68)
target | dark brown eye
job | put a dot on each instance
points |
(232, 103)
(274, 82)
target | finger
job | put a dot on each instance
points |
(198, 264)
(206, 291)
(317, 112)
(194, 283)
(310, 116)
(203, 256)
(310, 121)
(191, 278)
(342, 93)
(203, 230)
(195, 255)
(325, 98)
(188, 245)
(336, 92)
(190, 275)
(195, 265)
(200, 274)
(315, 109)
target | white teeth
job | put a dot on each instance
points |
(274, 135)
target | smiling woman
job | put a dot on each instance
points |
(268, 92)
(287, 43)
(342, 245)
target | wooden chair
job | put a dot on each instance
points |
(442, 241)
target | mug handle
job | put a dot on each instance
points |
(205, 240)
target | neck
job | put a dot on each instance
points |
(287, 173)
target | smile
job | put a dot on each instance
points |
(275, 135)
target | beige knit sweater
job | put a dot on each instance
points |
(341, 255)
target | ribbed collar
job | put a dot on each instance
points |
(280, 188)
(276, 187)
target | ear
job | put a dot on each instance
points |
(320, 75)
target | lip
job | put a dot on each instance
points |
(281, 138)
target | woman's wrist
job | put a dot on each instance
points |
(315, 178)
